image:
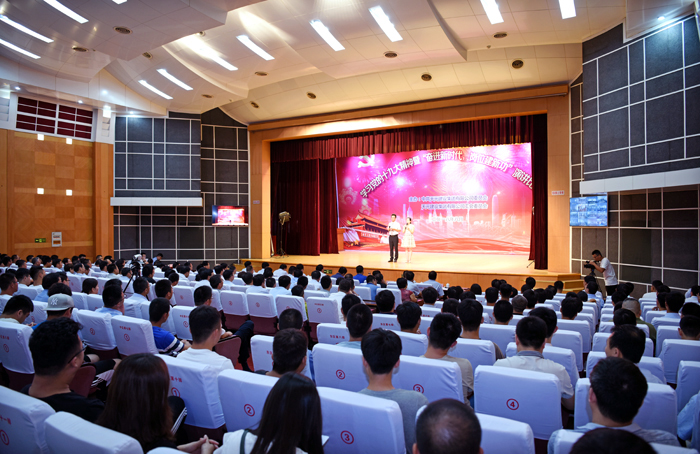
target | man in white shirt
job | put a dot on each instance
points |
(344, 288)
(530, 335)
(132, 305)
(37, 274)
(24, 279)
(315, 281)
(674, 303)
(205, 326)
(628, 342)
(281, 271)
(432, 276)
(655, 284)
(262, 269)
(617, 392)
(694, 294)
(17, 310)
(394, 229)
(258, 285)
(603, 265)
(282, 288)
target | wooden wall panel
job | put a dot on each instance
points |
(103, 190)
(551, 100)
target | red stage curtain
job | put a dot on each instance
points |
(303, 173)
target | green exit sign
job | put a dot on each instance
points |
(40, 240)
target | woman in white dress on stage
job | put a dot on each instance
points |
(408, 241)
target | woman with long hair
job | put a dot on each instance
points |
(138, 405)
(408, 240)
(291, 422)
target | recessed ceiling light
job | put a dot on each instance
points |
(154, 89)
(173, 79)
(517, 64)
(39, 190)
(24, 29)
(17, 88)
(119, 2)
(69, 192)
(662, 17)
(122, 30)
(492, 11)
(200, 33)
(207, 96)
(568, 9)
(500, 35)
(426, 77)
(326, 35)
(69, 141)
(254, 104)
(67, 11)
(80, 101)
(254, 47)
(18, 49)
(104, 92)
(385, 24)
(390, 54)
(40, 137)
(206, 51)
(260, 73)
(311, 95)
(131, 112)
(79, 49)
(148, 55)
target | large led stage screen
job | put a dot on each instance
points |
(469, 199)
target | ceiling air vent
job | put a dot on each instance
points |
(426, 77)
(500, 35)
(311, 95)
(79, 49)
(254, 104)
(207, 96)
(148, 55)
(122, 30)
(517, 64)
(390, 54)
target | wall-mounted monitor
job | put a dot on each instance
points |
(588, 211)
(228, 215)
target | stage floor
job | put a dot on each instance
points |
(457, 269)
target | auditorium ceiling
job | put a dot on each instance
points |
(201, 48)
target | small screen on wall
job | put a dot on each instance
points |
(228, 215)
(588, 211)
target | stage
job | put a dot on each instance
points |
(452, 268)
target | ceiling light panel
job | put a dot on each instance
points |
(24, 29)
(492, 11)
(119, 2)
(67, 11)
(173, 79)
(386, 25)
(202, 49)
(18, 49)
(568, 9)
(254, 47)
(154, 89)
(323, 31)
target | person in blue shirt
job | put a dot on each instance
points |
(46, 283)
(359, 274)
(113, 299)
(342, 271)
(371, 282)
(166, 343)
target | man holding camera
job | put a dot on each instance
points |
(603, 265)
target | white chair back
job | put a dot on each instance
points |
(365, 293)
(75, 283)
(563, 356)
(688, 381)
(676, 350)
(94, 302)
(514, 321)
(132, 307)
(505, 435)
(657, 412)
(31, 292)
(238, 281)
(133, 335)
(386, 321)
(488, 315)
(478, 352)
(501, 335)
(183, 296)
(14, 351)
(571, 340)
(169, 324)
(80, 300)
(101, 281)
(358, 424)
(664, 322)
(234, 303)
(581, 327)
(653, 365)
(332, 333)
(535, 401)
(651, 315)
(239, 287)
(285, 302)
(68, 434)
(243, 397)
(261, 305)
(38, 315)
(180, 315)
(663, 333)
(425, 324)
(413, 344)
(22, 423)
(322, 310)
(314, 294)
(196, 384)
(668, 449)
(565, 441)
(97, 329)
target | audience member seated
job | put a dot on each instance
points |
(138, 405)
(359, 274)
(633, 305)
(519, 304)
(381, 350)
(569, 308)
(471, 315)
(450, 306)
(46, 283)
(90, 286)
(406, 294)
(326, 285)
(628, 342)
(447, 426)
(430, 296)
(113, 299)
(617, 392)
(385, 302)
(205, 326)
(166, 343)
(432, 281)
(291, 318)
(611, 441)
(624, 317)
(506, 291)
(17, 309)
(258, 285)
(442, 336)
(283, 287)
(8, 284)
(289, 349)
(690, 309)
(298, 290)
(674, 303)
(344, 288)
(502, 313)
(359, 323)
(342, 271)
(530, 335)
(549, 317)
(57, 354)
(141, 288)
(371, 283)
(348, 302)
(408, 315)
(281, 271)
(291, 422)
(24, 279)
(491, 295)
(689, 328)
